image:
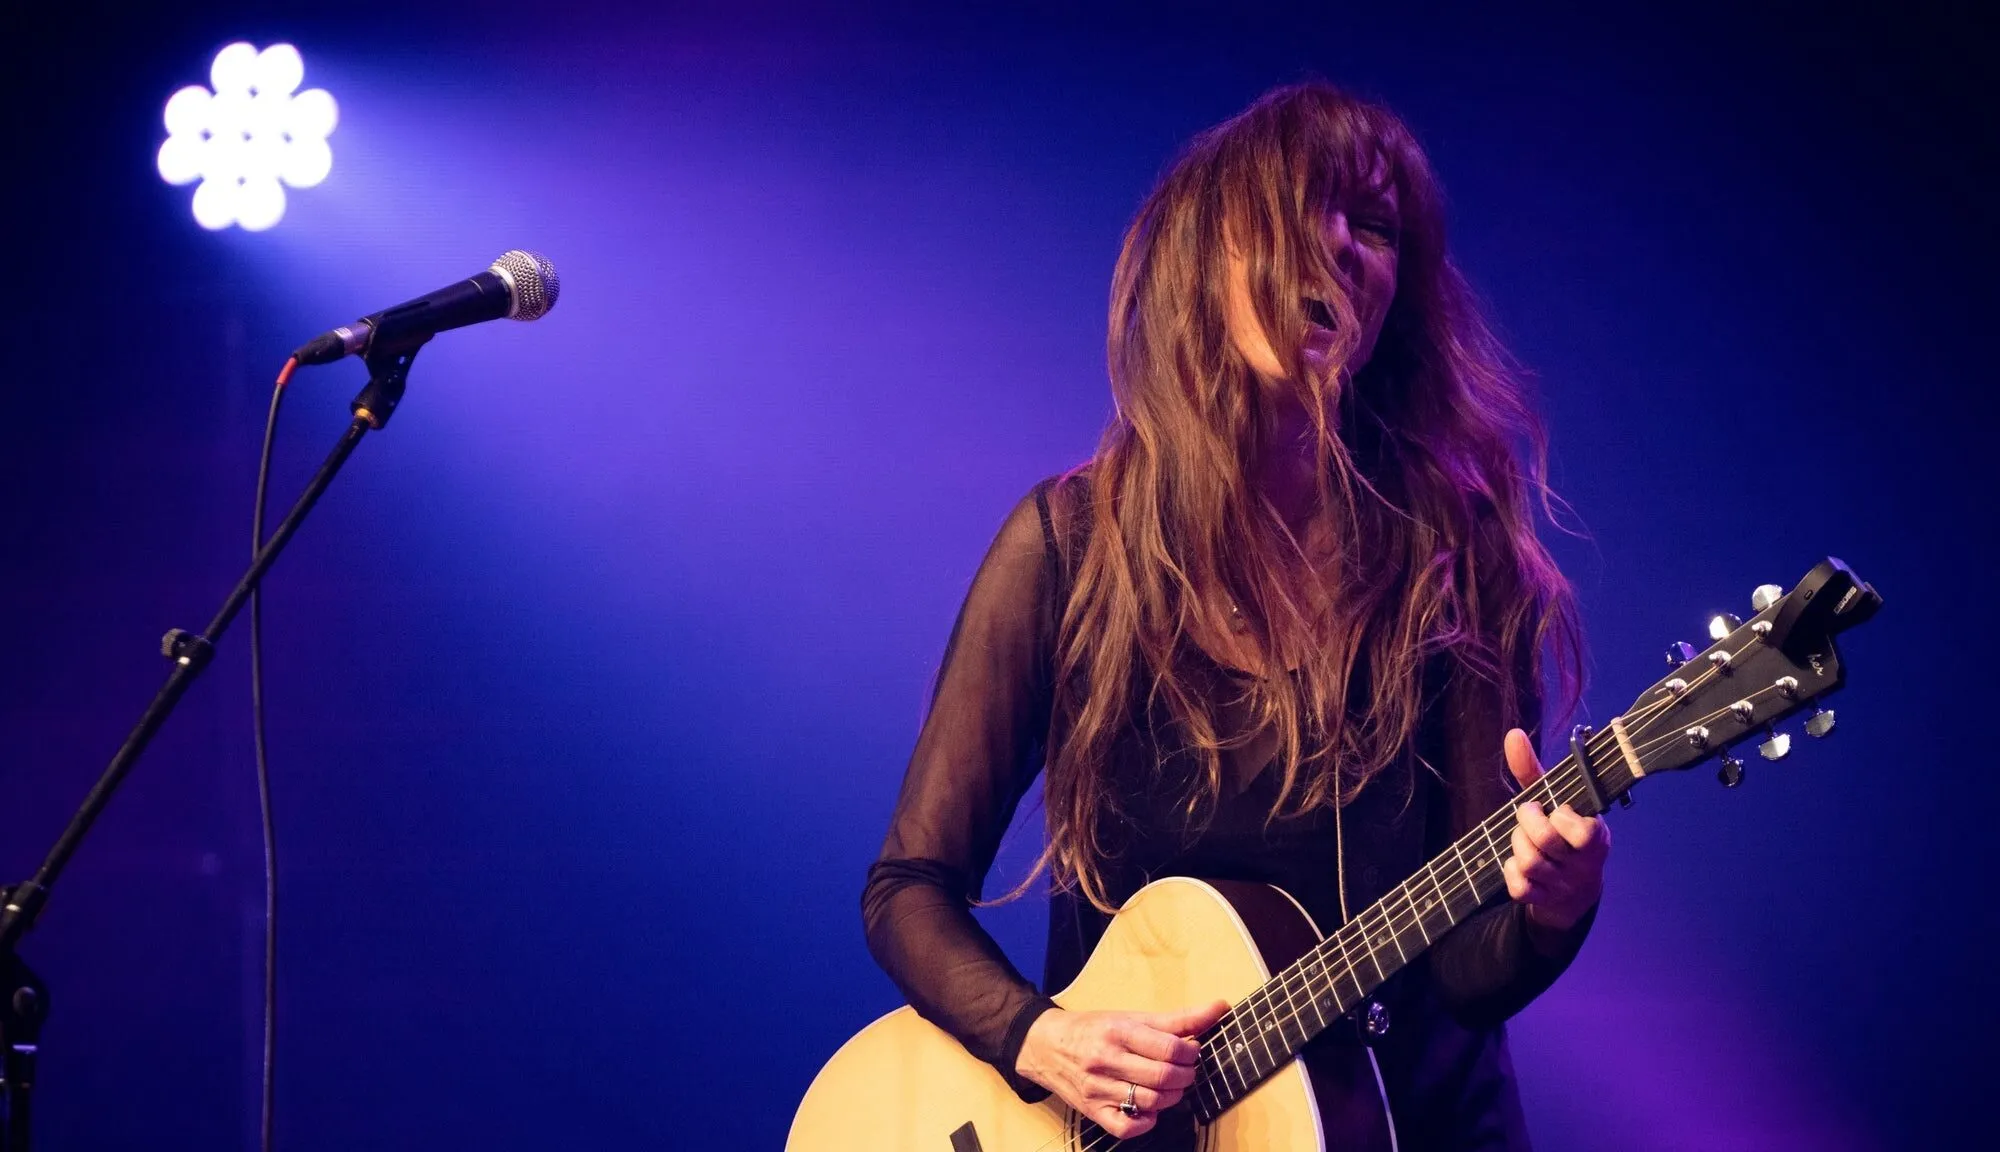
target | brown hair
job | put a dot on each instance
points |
(1432, 507)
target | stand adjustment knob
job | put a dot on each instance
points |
(185, 647)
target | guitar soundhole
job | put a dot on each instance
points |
(1176, 1132)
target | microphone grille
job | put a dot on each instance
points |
(534, 281)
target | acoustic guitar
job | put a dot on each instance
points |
(903, 1085)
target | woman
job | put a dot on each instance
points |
(1274, 630)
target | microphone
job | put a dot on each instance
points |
(520, 286)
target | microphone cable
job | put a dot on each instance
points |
(267, 1093)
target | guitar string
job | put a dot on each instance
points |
(1262, 999)
(1298, 979)
(1503, 821)
(1296, 983)
(1401, 910)
(1104, 1140)
(1398, 912)
(1499, 824)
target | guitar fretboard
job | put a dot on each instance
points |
(1269, 1027)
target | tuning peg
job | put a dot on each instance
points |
(1765, 596)
(1731, 772)
(1679, 654)
(1777, 747)
(1819, 725)
(1720, 627)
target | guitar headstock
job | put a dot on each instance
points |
(1754, 674)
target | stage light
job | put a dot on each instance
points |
(247, 139)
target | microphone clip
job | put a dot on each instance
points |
(388, 373)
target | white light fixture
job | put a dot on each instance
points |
(247, 139)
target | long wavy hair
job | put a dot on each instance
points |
(1431, 468)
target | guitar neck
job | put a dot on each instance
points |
(1269, 1027)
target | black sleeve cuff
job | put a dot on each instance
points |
(1488, 969)
(1010, 1050)
(1570, 942)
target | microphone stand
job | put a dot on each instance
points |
(24, 998)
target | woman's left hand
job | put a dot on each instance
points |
(1557, 868)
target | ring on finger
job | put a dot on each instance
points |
(1131, 1105)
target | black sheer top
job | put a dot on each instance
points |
(1444, 1063)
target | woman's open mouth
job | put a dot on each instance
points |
(1319, 315)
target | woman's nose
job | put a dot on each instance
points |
(1340, 242)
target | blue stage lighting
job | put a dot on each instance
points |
(249, 137)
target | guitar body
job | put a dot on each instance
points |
(903, 1084)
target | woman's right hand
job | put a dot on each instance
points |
(1088, 1059)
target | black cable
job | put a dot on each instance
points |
(267, 1097)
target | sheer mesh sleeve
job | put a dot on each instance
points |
(1487, 969)
(979, 749)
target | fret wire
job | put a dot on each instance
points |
(1259, 1004)
(1265, 997)
(1445, 883)
(1332, 988)
(1215, 1050)
(1458, 851)
(1293, 1012)
(1300, 975)
(1235, 1065)
(1208, 1082)
(1245, 1049)
(1494, 834)
(1395, 937)
(1374, 956)
(1415, 893)
(1289, 1009)
(1232, 1030)
(1293, 1001)
(1263, 1031)
(1224, 1055)
(1312, 993)
(1353, 970)
(1431, 879)
(1241, 1084)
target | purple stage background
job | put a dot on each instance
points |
(592, 680)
